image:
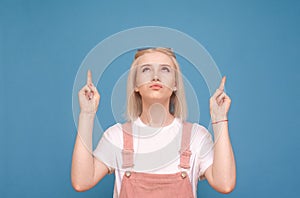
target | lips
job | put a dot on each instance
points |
(156, 86)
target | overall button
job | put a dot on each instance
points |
(128, 174)
(183, 174)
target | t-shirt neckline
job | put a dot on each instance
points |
(139, 122)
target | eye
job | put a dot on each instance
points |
(145, 69)
(165, 68)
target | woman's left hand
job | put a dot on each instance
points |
(219, 103)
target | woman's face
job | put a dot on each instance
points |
(155, 75)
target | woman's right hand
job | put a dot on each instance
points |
(88, 96)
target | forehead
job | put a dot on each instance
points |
(155, 57)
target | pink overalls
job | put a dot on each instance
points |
(146, 185)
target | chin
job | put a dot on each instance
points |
(157, 98)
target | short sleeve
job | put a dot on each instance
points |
(205, 153)
(109, 147)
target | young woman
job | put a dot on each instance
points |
(156, 153)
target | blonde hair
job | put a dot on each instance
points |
(177, 106)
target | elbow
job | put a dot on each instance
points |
(80, 187)
(80, 184)
(77, 188)
(227, 188)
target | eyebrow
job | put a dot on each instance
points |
(145, 65)
(149, 64)
(165, 65)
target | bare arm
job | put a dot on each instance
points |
(221, 175)
(86, 170)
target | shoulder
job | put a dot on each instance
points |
(199, 130)
(200, 134)
(114, 132)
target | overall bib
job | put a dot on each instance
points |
(146, 185)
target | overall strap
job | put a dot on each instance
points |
(185, 152)
(127, 152)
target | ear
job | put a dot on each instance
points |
(136, 89)
(175, 89)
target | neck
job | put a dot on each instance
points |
(156, 114)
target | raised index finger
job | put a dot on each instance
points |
(222, 84)
(89, 77)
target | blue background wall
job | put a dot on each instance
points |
(254, 43)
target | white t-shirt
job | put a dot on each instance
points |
(156, 150)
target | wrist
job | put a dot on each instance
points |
(225, 121)
(216, 118)
(87, 114)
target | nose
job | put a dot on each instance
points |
(156, 73)
(155, 78)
